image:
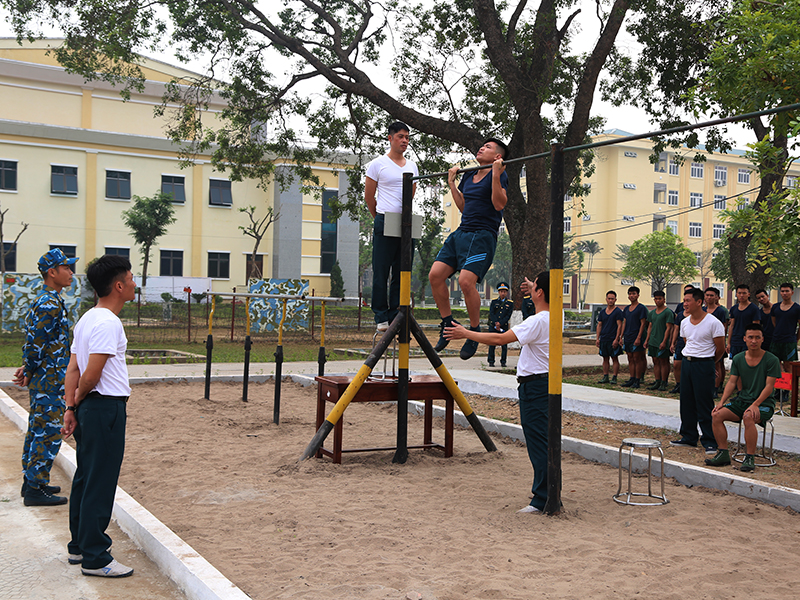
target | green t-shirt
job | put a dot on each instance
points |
(755, 378)
(659, 325)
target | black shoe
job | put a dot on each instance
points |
(40, 497)
(442, 343)
(50, 489)
(470, 347)
(710, 448)
(655, 386)
(502, 364)
(676, 389)
(628, 383)
(491, 364)
(604, 379)
(722, 459)
(635, 384)
(681, 443)
(614, 380)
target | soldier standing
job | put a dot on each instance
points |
(45, 355)
(500, 311)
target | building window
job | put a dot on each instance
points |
(720, 176)
(659, 193)
(720, 202)
(660, 165)
(8, 175)
(64, 180)
(567, 282)
(69, 252)
(115, 251)
(10, 252)
(719, 231)
(695, 230)
(699, 258)
(219, 192)
(567, 224)
(171, 263)
(744, 176)
(173, 184)
(659, 222)
(674, 167)
(697, 170)
(118, 185)
(720, 287)
(251, 272)
(695, 199)
(672, 226)
(329, 232)
(791, 181)
(219, 265)
(672, 198)
(741, 203)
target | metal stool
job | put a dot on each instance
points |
(375, 337)
(640, 443)
(763, 459)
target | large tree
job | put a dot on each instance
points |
(723, 58)
(461, 70)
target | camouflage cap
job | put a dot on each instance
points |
(53, 259)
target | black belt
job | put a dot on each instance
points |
(527, 378)
(696, 359)
(99, 395)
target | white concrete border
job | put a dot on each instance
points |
(192, 573)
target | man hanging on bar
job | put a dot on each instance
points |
(481, 198)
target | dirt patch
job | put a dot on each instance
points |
(226, 479)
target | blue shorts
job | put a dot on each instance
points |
(631, 349)
(469, 251)
(607, 350)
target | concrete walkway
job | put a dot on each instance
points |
(33, 544)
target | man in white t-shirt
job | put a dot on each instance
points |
(704, 335)
(383, 193)
(96, 391)
(532, 369)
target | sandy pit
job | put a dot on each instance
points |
(226, 479)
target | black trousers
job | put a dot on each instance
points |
(697, 400)
(100, 439)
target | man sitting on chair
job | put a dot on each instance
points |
(754, 404)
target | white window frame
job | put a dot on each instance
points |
(744, 176)
(697, 170)
(673, 198)
(674, 167)
(718, 231)
(696, 199)
(720, 202)
(695, 229)
(672, 226)
(567, 224)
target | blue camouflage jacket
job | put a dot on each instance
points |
(45, 353)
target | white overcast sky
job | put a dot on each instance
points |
(625, 118)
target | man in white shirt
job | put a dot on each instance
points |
(96, 391)
(704, 335)
(532, 370)
(383, 193)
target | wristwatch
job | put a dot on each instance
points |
(72, 408)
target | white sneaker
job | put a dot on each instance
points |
(529, 509)
(112, 569)
(75, 559)
(383, 326)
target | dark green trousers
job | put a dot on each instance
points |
(100, 439)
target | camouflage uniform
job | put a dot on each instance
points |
(45, 355)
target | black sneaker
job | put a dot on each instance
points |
(710, 448)
(502, 364)
(50, 489)
(491, 364)
(676, 389)
(442, 343)
(681, 443)
(35, 496)
(470, 347)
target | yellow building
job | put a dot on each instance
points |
(72, 155)
(629, 197)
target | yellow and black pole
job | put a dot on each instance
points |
(209, 347)
(321, 358)
(553, 504)
(276, 407)
(247, 346)
(406, 256)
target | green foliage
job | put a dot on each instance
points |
(660, 258)
(337, 283)
(148, 219)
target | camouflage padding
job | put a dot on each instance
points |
(20, 290)
(45, 353)
(265, 313)
(43, 439)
